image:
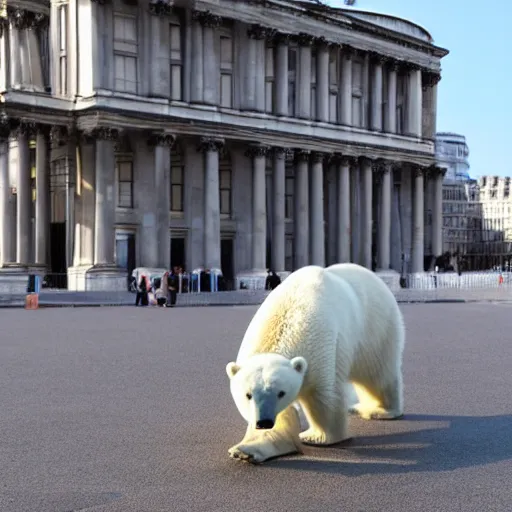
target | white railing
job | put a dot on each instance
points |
(467, 280)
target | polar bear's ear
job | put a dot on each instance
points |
(232, 369)
(299, 364)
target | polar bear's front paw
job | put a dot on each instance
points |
(316, 437)
(246, 453)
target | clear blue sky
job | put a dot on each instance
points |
(475, 92)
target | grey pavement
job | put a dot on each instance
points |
(64, 298)
(129, 410)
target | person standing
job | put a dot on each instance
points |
(172, 288)
(142, 292)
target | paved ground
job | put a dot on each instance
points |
(128, 410)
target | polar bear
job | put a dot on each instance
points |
(320, 332)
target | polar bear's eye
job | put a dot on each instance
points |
(249, 396)
(281, 394)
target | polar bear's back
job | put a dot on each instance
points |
(325, 305)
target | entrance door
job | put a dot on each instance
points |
(125, 252)
(178, 252)
(226, 262)
(58, 278)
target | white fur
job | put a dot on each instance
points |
(345, 322)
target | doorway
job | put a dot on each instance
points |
(125, 252)
(226, 262)
(58, 269)
(178, 252)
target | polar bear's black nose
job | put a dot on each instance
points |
(265, 424)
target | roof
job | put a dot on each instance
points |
(383, 20)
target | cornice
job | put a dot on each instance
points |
(351, 26)
(348, 143)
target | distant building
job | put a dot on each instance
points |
(462, 216)
(496, 205)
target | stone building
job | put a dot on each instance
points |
(225, 134)
(496, 204)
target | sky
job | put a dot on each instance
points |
(475, 91)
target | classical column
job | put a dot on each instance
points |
(24, 196)
(210, 62)
(42, 198)
(196, 85)
(210, 148)
(281, 78)
(255, 68)
(249, 98)
(346, 85)
(15, 22)
(384, 224)
(343, 208)
(160, 69)
(259, 210)
(104, 221)
(418, 222)
(301, 220)
(317, 210)
(6, 211)
(437, 212)
(435, 80)
(376, 112)
(355, 211)
(429, 92)
(322, 83)
(278, 218)
(366, 213)
(414, 106)
(390, 115)
(162, 143)
(304, 76)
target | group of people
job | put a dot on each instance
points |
(162, 292)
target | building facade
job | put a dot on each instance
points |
(495, 199)
(238, 135)
(462, 212)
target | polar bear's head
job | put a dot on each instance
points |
(264, 385)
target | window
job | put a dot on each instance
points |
(292, 78)
(125, 53)
(225, 185)
(269, 79)
(226, 70)
(288, 197)
(334, 73)
(124, 166)
(401, 83)
(385, 77)
(32, 163)
(176, 59)
(357, 93)
(288, 254)
(63, 48)
(314, 61)
(177, 179)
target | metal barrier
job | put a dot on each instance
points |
(467, 280)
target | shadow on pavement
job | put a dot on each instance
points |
(461, 442)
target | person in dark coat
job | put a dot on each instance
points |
(142, 292)
(172, 289)
(272, 281)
